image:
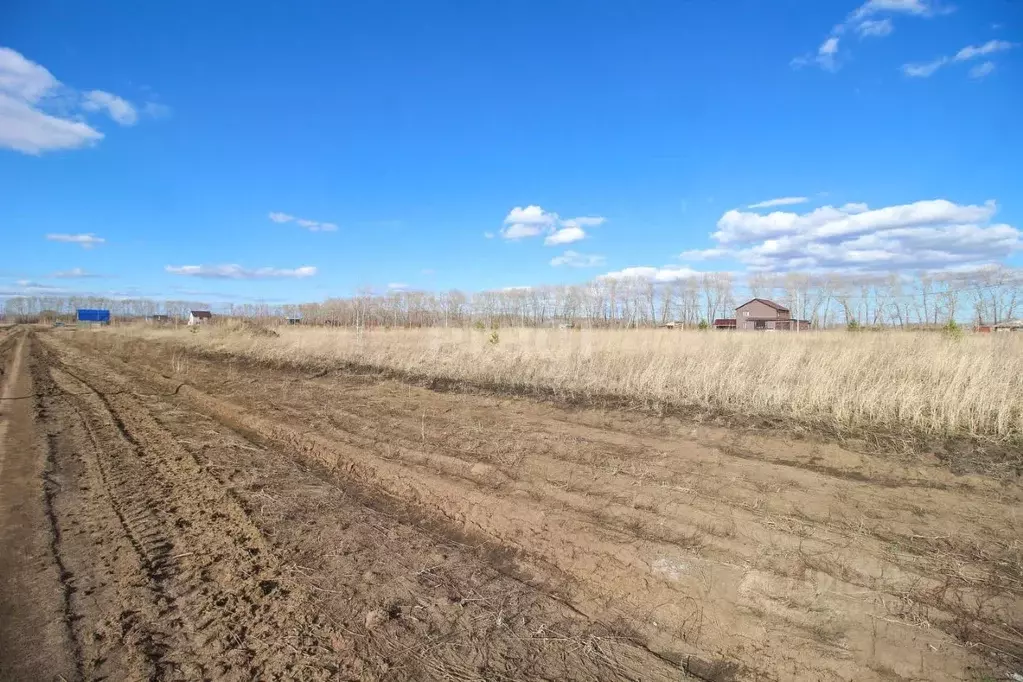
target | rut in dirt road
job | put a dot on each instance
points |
(169, 580)
(35, 619)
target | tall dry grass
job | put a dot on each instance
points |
(923, 382)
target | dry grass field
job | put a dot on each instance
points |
(923, 383)
(307, 503)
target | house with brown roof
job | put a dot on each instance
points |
(760, 314)
(199, 317)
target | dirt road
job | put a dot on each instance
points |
(171, 517)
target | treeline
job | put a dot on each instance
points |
(984, 296)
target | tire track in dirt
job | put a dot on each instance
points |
(198, 594)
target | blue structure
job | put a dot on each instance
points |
(94, 316)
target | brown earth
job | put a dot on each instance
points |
(165, 516)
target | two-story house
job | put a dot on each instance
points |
(760, 314)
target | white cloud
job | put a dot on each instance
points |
(871, 7)
(73, 273)
(39, 114)
(489, 235)
(863, 21)
(584, 221)
(990, 47)
(22, 78)
(397, 286)
(922, 234)
(826, 54)
(924, 70)
(520, 230)
(119, 109)
(565, 235)
(533, 221)
(529, 221)
(703, 254)
(981, 70)
(783, 201)
(25, 128)
(665, 274)
(875, 28)
(574, 259)
(238, 272)
(966, 54)
(311, 225)
(87, 241)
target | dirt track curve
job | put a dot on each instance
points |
(168, 517)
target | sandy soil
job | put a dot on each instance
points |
(169, 517)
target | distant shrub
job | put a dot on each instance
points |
(853, 326)
(495, 338)
(953, 330)
(703, 326)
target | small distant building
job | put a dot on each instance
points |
(159, 319)
(674, 324)
(724, 323)
(199, 317)
(1009, 326)
(294, 320)
(91, 316)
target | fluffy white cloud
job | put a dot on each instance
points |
(311, 225)
(533, 221)
(397, 286)
(25, 128)
(238, 272)
(86, 241)
(528, 221)
(924, 234)
(923, 70)
(565, 235)
(875, 28)
(782, 201)
(665, 274)
(121, 110)
(34, 108)
(22, 78)
(573, 259)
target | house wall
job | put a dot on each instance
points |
(755, 309)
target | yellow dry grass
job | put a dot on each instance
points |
(917, 381)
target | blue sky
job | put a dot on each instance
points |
(293, 151)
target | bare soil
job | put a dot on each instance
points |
(164, 517)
